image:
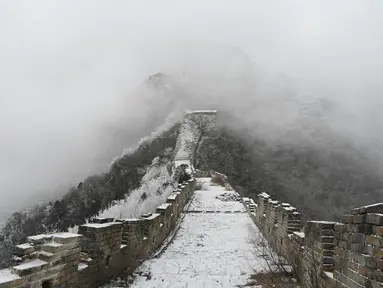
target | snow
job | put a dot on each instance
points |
(54, 244)
(32, 264)
(188, 112)
(99, 225)
(6, 275)
(73, 229)
(66, 235)
(164, 206)
(325, 222)
(264, 195)
(82, 266)
(209, 249)
(205, 200)
(24, 246)
(154, 215)
(39, 237)
(186, 142)
(181, 162)
(173, 196)
(329, 274)
(300, 234)
(289, 208)
(133, 206)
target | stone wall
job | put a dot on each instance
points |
(322, 253)
(102, 249)
(205, 119)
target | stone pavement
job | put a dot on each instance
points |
(214, 247)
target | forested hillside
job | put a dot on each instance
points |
(323, 183)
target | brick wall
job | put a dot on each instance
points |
(101, 250)
(324, 254)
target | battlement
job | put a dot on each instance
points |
(101, 250)
(324, 254)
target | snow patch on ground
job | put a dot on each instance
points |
(209, 250)
(208, 200)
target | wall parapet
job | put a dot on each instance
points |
(323, 253)
(100, 251)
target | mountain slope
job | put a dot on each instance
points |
(96, 193)
(323, 183)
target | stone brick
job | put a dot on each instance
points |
(373, 240)
(378, 230)
(359, 228)
(358, 219)
(348, 282)
(340, 227)
(372, 262)
(374, 218)
(357, 238)
(356, 277)
(347, 219)
(376, 252)
(65, 238)
(359, 258)
(24, 249)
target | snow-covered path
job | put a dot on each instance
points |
(214, 247)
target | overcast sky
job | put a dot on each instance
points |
(66, 66)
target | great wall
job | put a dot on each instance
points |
(202, 237)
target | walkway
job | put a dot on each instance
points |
(214, 247)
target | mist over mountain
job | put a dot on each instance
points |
(70, 95)
(274, 136)
(92, 92)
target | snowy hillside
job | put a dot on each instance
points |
(136, 182)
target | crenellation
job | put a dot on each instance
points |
(325, 254)
(166, 214)
(103, 248)
(175, 200)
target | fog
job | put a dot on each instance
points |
(70, 72)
